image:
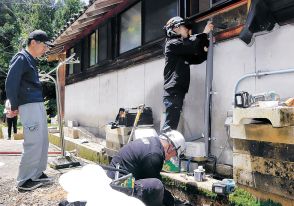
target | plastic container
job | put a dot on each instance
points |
(145, 131)
(199, 174)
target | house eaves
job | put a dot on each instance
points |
(86, 21)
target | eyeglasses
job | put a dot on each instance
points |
(39, 42)
(176, 149)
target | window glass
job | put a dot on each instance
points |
(199, 6)
(71, 66)
(96, 47)
(215, 2)
(157, 13)
(93, 49)
(130, 28)
(78, 51)
(102, 43)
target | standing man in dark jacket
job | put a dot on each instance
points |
(24, 90)
(181, 50)
(144, 158)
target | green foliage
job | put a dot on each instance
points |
(18, 19)
(243, 198)
(51, 107)
(1, 112)
(65, 9)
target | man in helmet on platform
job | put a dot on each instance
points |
(181, 50)
(144, 158)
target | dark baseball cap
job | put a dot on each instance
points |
(41, 36)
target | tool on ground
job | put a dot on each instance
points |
(225, 187)
(123, 181)
(139, 112)
(244, 100)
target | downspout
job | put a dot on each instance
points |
(208, 93)
(259, 75)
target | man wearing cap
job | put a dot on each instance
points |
(181, 50)
(24, 90)
(144, 158)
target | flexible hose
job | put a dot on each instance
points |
(17, 153)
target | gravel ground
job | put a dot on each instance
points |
(46, 195)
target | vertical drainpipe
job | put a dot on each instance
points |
(208, 93)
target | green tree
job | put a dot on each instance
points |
(9, 33)
(65, 9)
(19, 18)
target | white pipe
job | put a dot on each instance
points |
(58, 99)
(259, 75)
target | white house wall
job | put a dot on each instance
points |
(96, 101)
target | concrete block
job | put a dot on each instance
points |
(72, 123)
(266, 183)
(263, 132)
(84, 133)
(278, 116)
(53, 130)
(65, 131)
(119, 135)
(71, 132)
(262, 165)
(195, 149)
(278, 151)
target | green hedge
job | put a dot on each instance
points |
(1, 112)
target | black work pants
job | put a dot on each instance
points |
(11, 122)
(173, 107)
(150, 191)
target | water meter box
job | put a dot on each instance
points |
(145, 119)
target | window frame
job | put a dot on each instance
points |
(119, 23)
(95, 49)
(71, 69)
(147, 51)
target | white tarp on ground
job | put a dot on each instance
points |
(91, 184)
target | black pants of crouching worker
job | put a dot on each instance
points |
(173, 107)
(151, 191)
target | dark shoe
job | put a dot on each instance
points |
(29, 185)
(43, 178)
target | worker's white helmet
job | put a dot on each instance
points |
(173, 23)
(177, 140)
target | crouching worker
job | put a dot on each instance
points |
(144, 158)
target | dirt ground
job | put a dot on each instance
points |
(47, 195)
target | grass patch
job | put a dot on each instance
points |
(243, 198)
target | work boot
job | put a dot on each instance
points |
(29, 185)
(44, 178)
